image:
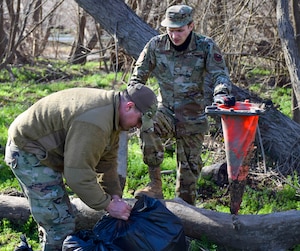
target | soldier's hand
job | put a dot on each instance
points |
(118, 208)
(225, 99)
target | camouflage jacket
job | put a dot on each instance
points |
(75, 131)
(181, 76)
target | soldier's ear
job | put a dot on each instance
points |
(130, 105)
(191, 25)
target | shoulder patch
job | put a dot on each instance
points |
(218, 57)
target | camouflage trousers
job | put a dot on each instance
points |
(188, 154)
(48, 200)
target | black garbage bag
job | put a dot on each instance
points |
(150, 227)
(83, 240)
(24, 246)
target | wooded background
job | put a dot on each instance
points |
(255, 36)
(246, 31)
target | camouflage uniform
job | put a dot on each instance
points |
(180, 75)
(42, 185)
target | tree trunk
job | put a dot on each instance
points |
(78, 53)
(276, 231)
(36, 35)
(4, 39)
(121, 22)
(295, 108)
(14, 19)
(289, 45)
(296, 18)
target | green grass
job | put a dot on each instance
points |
(281, 97)
(10, 234)
(7, 179)
(32, 84)
(137, 176)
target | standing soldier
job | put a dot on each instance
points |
(179, 60)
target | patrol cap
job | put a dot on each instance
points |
(178, 16)
(145, 101)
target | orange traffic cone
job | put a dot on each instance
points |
(239, 124)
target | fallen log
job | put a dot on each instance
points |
(216, 172)
(276, 231)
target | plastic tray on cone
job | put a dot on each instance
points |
(240, 108)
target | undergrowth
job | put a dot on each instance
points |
(33, 83)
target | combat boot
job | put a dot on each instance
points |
(186, 190)
(154, 188)
(189, 198)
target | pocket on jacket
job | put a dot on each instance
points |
(11, 154)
